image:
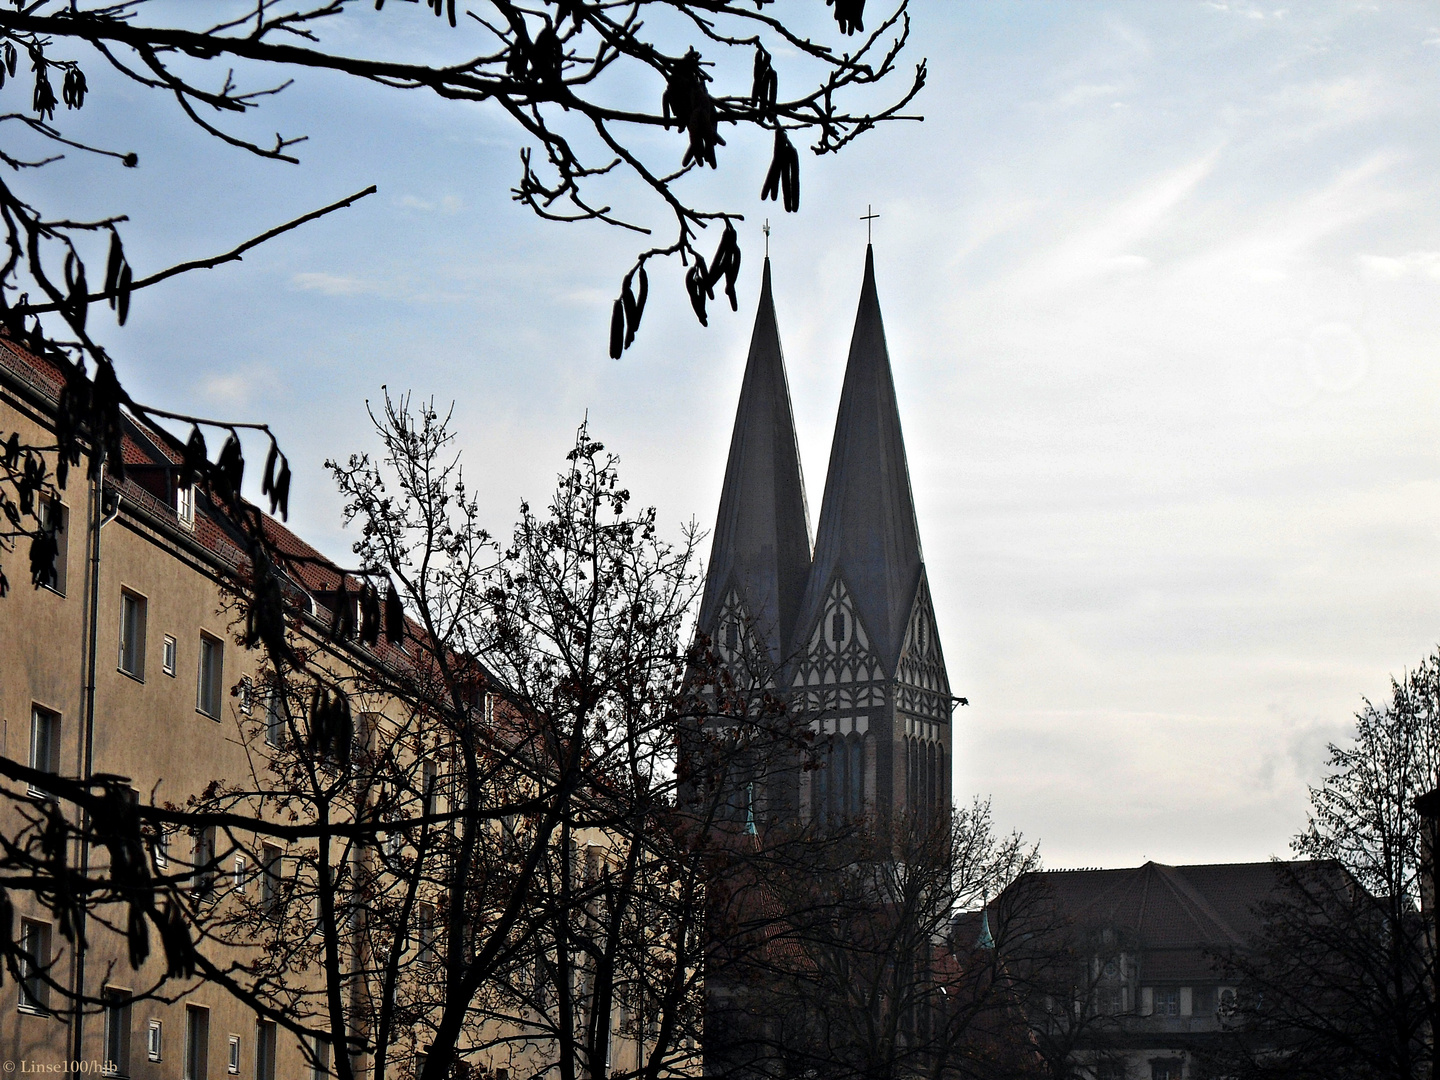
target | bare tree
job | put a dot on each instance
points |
(862, 973)
(1340, 982)
(551, 68)
(488, 857)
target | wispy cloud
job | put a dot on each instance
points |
(333, 284)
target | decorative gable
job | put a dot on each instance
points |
(738, 647)
(924, 688)
(838, 667)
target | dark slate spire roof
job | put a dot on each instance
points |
(867, 531)
(762, 531)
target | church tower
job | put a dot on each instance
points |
(848, 635)
(868, 664)
(760, 560)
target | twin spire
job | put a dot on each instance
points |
(867, 534)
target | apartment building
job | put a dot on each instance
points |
(127, 664)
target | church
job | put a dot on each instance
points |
(844, 628)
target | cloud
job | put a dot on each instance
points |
(333, 284)
(1413, 265)
(231, 389)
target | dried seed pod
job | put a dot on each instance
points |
(230, 469)
(394, 616)
(195, 463)
(617, 330)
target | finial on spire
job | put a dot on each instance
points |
(868, 217)
(766, 230)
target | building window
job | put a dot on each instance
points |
(430, 782)
(320, 1054)
(232, 1062)
(837, 627)
(162, 846)
(732, 637)
(239, 873)
(34, 960)
(154, 1040)
(212, 664)
(1227, 1001)
(1110, 1070)
(117, 1032)
(1203, 1003)
(185, 506)
(855, 790)
(265, 1050)
(197, 1042)
(132, 635)
(167, 656)
(202, 880)
(270, 877)
(275, 717)
(55, 519)
(247, 695)
(425, 933)
(1166, 1069)
(1167, 1003)
(44, 744)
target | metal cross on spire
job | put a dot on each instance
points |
(766, 231)
(869, 216)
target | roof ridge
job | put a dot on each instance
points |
(1177, 881)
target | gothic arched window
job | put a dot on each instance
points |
(857, 776)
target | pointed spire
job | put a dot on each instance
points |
(762, 530)
(986, 940)
(867, 532)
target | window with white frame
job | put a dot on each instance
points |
(44, 743)
(55, 522)
(275, 717)
(232, 1062)
(155, 1040)
(185, 506)
(320, 1058)
(167, 656)
(247, 695)
(211, 674)
(34, 962)
(202, 880)
(270, 870)
(240, 876)
(132, 634)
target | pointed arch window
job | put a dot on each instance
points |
(856, 788)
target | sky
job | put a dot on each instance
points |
(1161, 284)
